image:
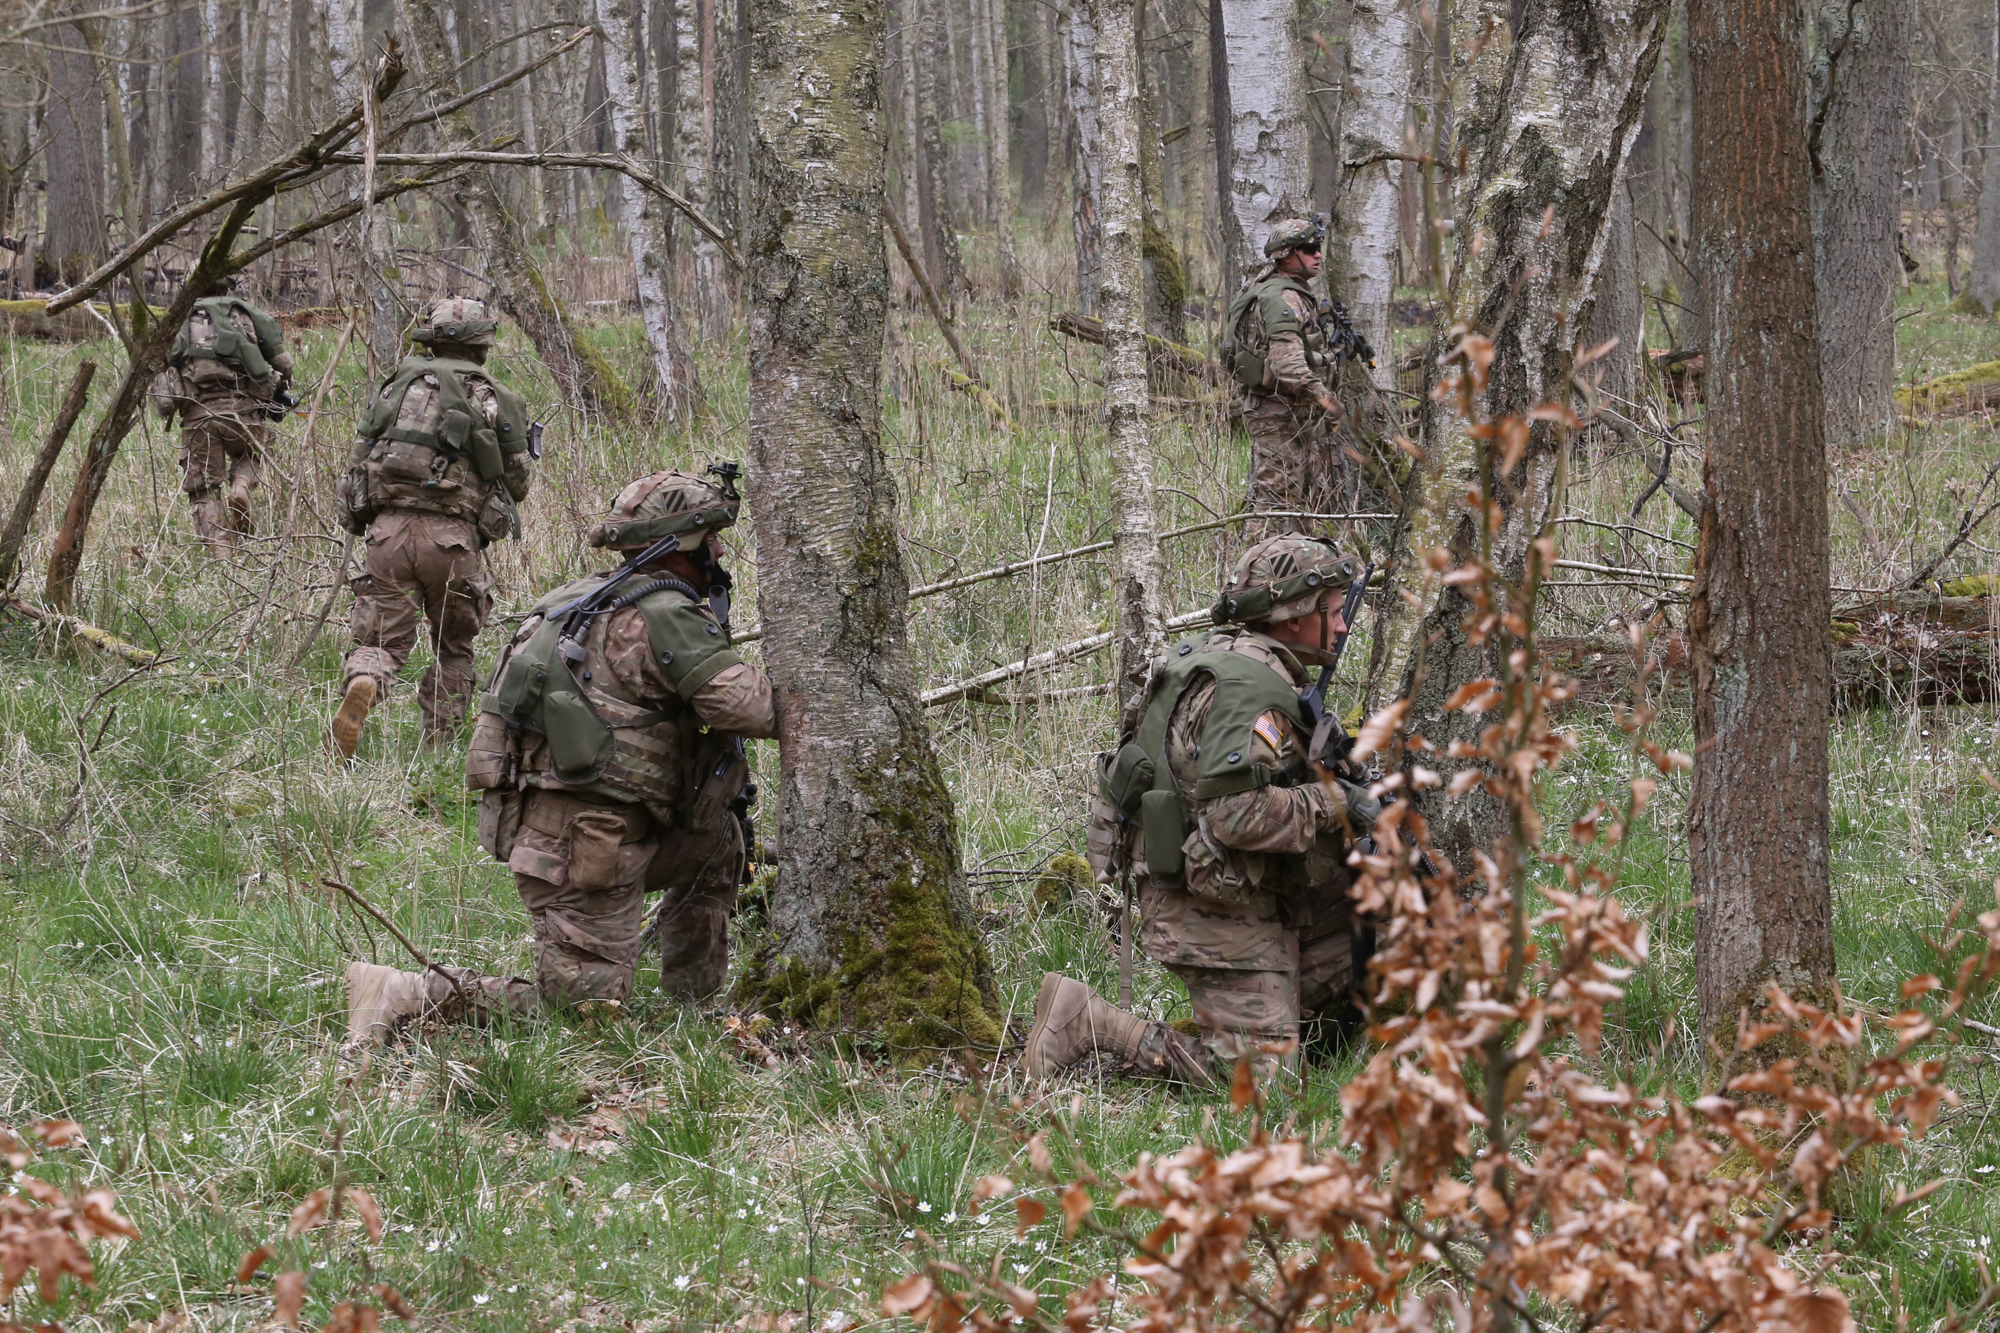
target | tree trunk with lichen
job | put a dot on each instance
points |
(580, 370)
(1757, 821)
(1382, 56)
(1269, 162)
(871, 926)
(1569, 103)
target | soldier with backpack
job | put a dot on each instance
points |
(1287, 349)
(443, 457)
(609, 749)
(225, 379)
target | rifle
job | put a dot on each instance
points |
(281, 403)
(1331, 745)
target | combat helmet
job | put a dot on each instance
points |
(1292, 233)
(458, 320)
(665, 504)
(1282, 578)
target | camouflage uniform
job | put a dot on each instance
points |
(1257, 921)
(225, 425)
(425, 518)
(659, 813)
(1297, 463)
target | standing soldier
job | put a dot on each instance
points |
(225, 377)
(610, 751)
(1287, 349)
(1238, 839)
(442, 461)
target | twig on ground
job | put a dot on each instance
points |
(402, 939)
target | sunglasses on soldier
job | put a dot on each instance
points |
(1312, 249)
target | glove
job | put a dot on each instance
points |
(1362, 809)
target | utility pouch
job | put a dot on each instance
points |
(1124, 775)
(454, 429)
(1163, 831)
(485, 451)
(722, 779)
(519, 685)
(1212, 872)
(499, 821)
(577, 737)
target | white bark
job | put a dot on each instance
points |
(214, 127)
(1079, 20)
(1138, 616)
(691, 147)
(639, 212)
(1270, 165)
(1000, 183)
(1383, 50)
(344, 54)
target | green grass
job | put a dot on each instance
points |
(170, 972)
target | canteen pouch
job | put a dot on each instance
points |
(1163, 831)
(454, 429)
(1124, 776)
(485, 452)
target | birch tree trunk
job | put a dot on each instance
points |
(691, 154)
(1757, 821)
(871, 924)
(1382, 55)
(585, 378)
(640, 213)
(1138, 618)
(1270, 166)
(1079, 18)
(941, 254)
(1000, 185)
(1860, 119)
(1567, 106)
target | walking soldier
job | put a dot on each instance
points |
(225, 379)
(1238, 840)
(609, 748)
(442, 460)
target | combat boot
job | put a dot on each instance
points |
(354, 708)
(1073, 1021)
(379, 999)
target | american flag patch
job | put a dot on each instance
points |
(1267, 731)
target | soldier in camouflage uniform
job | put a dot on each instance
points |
(226, 366)
(441, 463)
(1245, 898)
(1281, 346)
(609, 748)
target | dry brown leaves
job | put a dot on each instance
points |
(42, 1230)
(1486, 1177)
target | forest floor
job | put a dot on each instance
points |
(172, 967)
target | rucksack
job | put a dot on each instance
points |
(1242, 362)
(210, 348)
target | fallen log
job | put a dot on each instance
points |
(1961, 393)
(1160, 353)
(104, 641)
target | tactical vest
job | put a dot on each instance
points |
(548, 722)
(439, 455)
(212, 350)
(1136, 780)
(1257, 314)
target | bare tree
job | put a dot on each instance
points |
(1079, 31)
(1860, 98)
(871, 923)
(76, 239)
(1530, 240)
(641, 213)
(1382, 62)
(1757, 822)
(1121, 304)
(1982, 284)
(1269, 163)
(584, 376)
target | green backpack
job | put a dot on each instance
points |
(210, 347)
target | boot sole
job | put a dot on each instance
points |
(1044, 998)
(355, 706)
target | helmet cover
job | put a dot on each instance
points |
(1282, 578)
(459, 320)
(663, 504)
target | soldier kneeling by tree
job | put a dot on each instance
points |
(610, 751)
(1238, 839)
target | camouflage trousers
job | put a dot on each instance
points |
(1251, 970)
(584, 868)
(1296, 465)
(221, 464)
(428, 567)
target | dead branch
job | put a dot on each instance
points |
(1061, 653)
(384, 190)
(25, 504)
(1966, 524)
(105, 641)
(309, 157)
(423, 960)
(1159, 351)
(433, 114)
(591, 161)
(972, 384)
(1691, 502)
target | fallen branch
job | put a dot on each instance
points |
(106, 641)
(1691, 502)
(1159, 351)
(30, 497)
(971, 383)
(1056, 656)
(1966, 524)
